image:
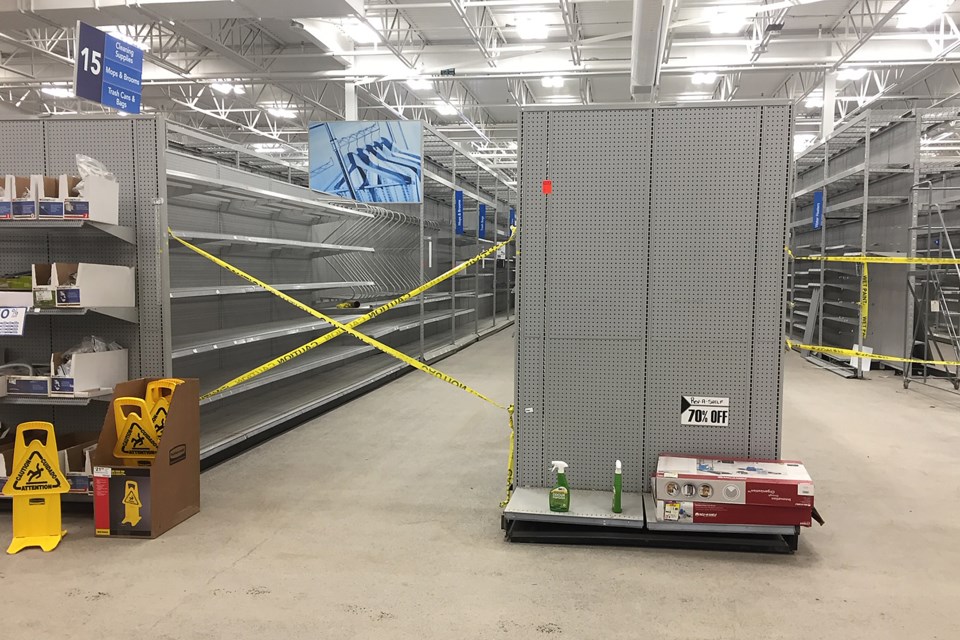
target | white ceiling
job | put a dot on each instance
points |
(295, 54)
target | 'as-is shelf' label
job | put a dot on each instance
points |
(702, 411)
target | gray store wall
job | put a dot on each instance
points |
(654, 270)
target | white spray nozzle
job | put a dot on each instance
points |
(619, 467)
(559, 467)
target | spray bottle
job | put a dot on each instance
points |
(617, 487)
(560, 494)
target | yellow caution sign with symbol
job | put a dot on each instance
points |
(131, 503)
(137, 439)
(35, 485)
(159, 395)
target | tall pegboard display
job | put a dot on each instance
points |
(129, 148)
(651, 284)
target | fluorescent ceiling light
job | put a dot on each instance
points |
(851, 74)
(281, 112)
(512, 145)
(704, 77)
(239, 90)
(222, 87)
(694, 96)
(531, 27)
(552, 82)
(813, 102)
(445, 109)
(732, 21)
(419, 83)
(118, 33)
(360, 32)
(58, 92)
(917, 14)
(122, 114)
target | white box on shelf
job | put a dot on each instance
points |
(89, 372)
(6, 198)
(81, 284)
(23, 202)
(16, 298)
(100, 201)
(49, 199)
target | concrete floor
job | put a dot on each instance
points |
(380, 520)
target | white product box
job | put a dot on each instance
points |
(28, 385)
(97, 285)
(3, 386)
(20, 198)
(89, 372)
(59, 199)
(783, 483)
(14, 298)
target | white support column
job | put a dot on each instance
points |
(350, 101)
(829, 104)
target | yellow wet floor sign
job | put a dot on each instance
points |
(35, 485)
(159, 395)
(131, 503)
(137, 439)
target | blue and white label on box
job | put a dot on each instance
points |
(11, 320)
(24, 209)
(817, 209)
(482, 221)
(51, 209)
(458, 208)
(68, 297)
(61, 385)
(109, 70)
(76, 209)
(513, 217)
(6, 210)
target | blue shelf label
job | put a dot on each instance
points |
(513, 217)
(458, 207)
(482, 222)
(817, 209)
(109, 71)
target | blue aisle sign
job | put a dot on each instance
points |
(482, 223)
(817, 209)
(109, 70)
(458, 207)
(513, 217)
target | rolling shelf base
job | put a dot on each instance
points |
(527, 518)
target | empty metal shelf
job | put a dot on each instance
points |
(226, 290)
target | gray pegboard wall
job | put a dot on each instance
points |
(654, 270)
(130, 148)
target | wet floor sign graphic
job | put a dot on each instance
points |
(159, 396)
(131, 503)
(35, 485)
(137, 440)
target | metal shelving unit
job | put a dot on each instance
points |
(195, 319)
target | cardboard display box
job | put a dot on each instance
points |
(89, 372)
(782, 483)
(19, 201)
(81, 284)
(144, 502)
(58, 198)
(742, 514)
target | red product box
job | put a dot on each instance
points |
(771, 483)
(742, 514)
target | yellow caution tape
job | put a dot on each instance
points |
(875, 259)
(510, 460)
(856, 353)
(290, 355)
(864, 301)
(343, 328)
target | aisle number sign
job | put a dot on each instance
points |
(108, 70)
(482, 222)
(817, 209)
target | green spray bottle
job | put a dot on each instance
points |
(617, 488)
(560, 494)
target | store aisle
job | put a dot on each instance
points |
(380, 520)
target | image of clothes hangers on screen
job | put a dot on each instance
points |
(368, 161)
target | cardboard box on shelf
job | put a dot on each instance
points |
(82, 284)
(783, 483)
(28, 385)
(59, 198)
(23, 204)
(144, 502)
(88, 372)
(733, 514)
(76, 462)
(6, 197)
